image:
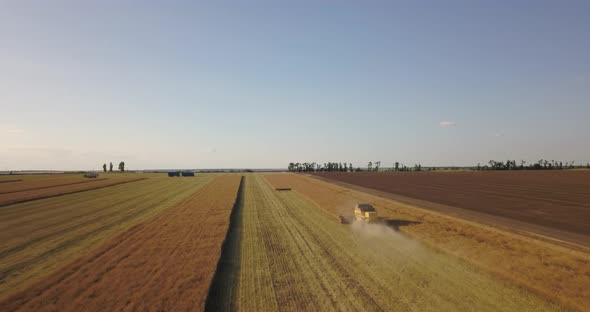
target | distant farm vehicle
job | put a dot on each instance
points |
(91, 175)
(365, 212)
(188, 174)
(174, 174)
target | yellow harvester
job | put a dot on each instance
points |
(365, 212)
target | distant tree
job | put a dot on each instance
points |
(377, 165)
(396, 166)
(111, 167)
(370, 166)
(104, 167)
(358, 169)
(588, 165)
(122, 166)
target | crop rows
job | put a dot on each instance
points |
(37, 236)
(295, 256)
(47, 192)
(165, 263)
(42, 184)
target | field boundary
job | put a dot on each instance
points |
(217, 292)
(8, 181)
(55, 185)
(538, 232)
(18, 201)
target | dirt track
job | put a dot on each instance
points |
(550, 203)
(164, 264)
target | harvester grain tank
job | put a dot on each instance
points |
(362, 212)
(365, 212)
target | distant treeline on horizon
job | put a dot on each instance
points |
(541, 164)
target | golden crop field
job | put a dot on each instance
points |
(36, 237)
(296, 257)
(223, 242)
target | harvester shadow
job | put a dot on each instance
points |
(222, 295)
(395, 224)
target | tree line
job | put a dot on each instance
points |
(541, 164)
(346, 167)
(326, 167)
(121, 167)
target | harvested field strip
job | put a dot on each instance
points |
(553, 271)
(296, 257)
(37, 236)
(24, 196)
(38, 186)
(165, 263)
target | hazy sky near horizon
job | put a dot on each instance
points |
(187, 84)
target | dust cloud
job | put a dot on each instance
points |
(382, 237)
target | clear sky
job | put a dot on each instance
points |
(187, 84)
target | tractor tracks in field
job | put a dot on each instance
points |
(50, 186)
(65, 192)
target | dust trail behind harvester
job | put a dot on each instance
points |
(379, 236)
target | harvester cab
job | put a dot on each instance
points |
(365, 212)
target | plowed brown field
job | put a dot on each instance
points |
(558, 199)
(550, 270)
(166, 263)
(51, 191)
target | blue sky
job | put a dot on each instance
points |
(186, 84)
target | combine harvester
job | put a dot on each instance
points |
(362, 212)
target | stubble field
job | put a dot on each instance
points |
(294, 256)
